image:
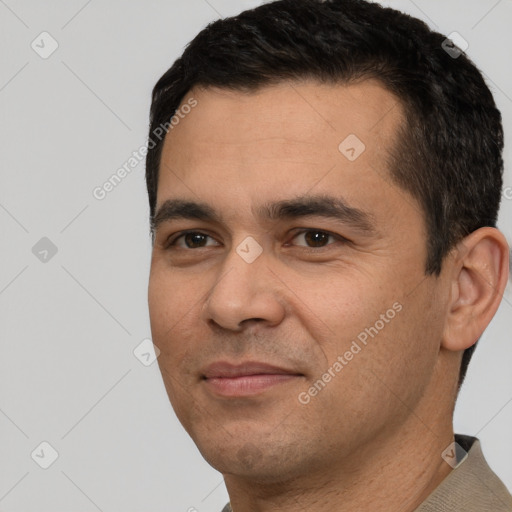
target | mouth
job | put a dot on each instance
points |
(246, 379)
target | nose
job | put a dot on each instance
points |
(244, 293)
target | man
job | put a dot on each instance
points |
(326, 256)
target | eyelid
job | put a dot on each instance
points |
(171, 240)
(301, 231)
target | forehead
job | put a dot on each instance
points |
(307, 107)
(304, 121)
(281, 140)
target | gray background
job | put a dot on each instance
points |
(69, 324)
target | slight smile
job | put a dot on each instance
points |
(245, 379)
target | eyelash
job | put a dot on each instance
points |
(172, 242)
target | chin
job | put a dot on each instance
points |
(255, 461)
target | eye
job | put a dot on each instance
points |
(190, 240)
(310, 238)
(316, 238)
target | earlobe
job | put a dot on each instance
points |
(479, 276)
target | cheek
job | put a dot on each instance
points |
(167, 312)
(348, 306)
(381, 378)
(167, 316)
(379, 330)
(159, 302)
(401, 357)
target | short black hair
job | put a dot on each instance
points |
(448, 154)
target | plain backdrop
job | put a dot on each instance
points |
(74, 269)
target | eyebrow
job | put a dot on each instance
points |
(323, 206)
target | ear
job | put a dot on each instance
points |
(479, 274)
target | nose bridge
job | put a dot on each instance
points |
(245, 260)
(244, 290)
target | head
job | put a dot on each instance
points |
(301, 109)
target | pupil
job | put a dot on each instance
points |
(316, 240)
(193, 238)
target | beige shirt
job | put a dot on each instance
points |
(471, 487)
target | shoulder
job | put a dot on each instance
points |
(472, 486)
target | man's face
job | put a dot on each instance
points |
(252, 311)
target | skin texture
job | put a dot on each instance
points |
(372, 438)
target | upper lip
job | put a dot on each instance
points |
(224, 369)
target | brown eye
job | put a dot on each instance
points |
(315, 238)
(191, 240)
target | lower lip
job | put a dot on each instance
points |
(247, 385)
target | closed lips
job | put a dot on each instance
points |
(228, 370)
